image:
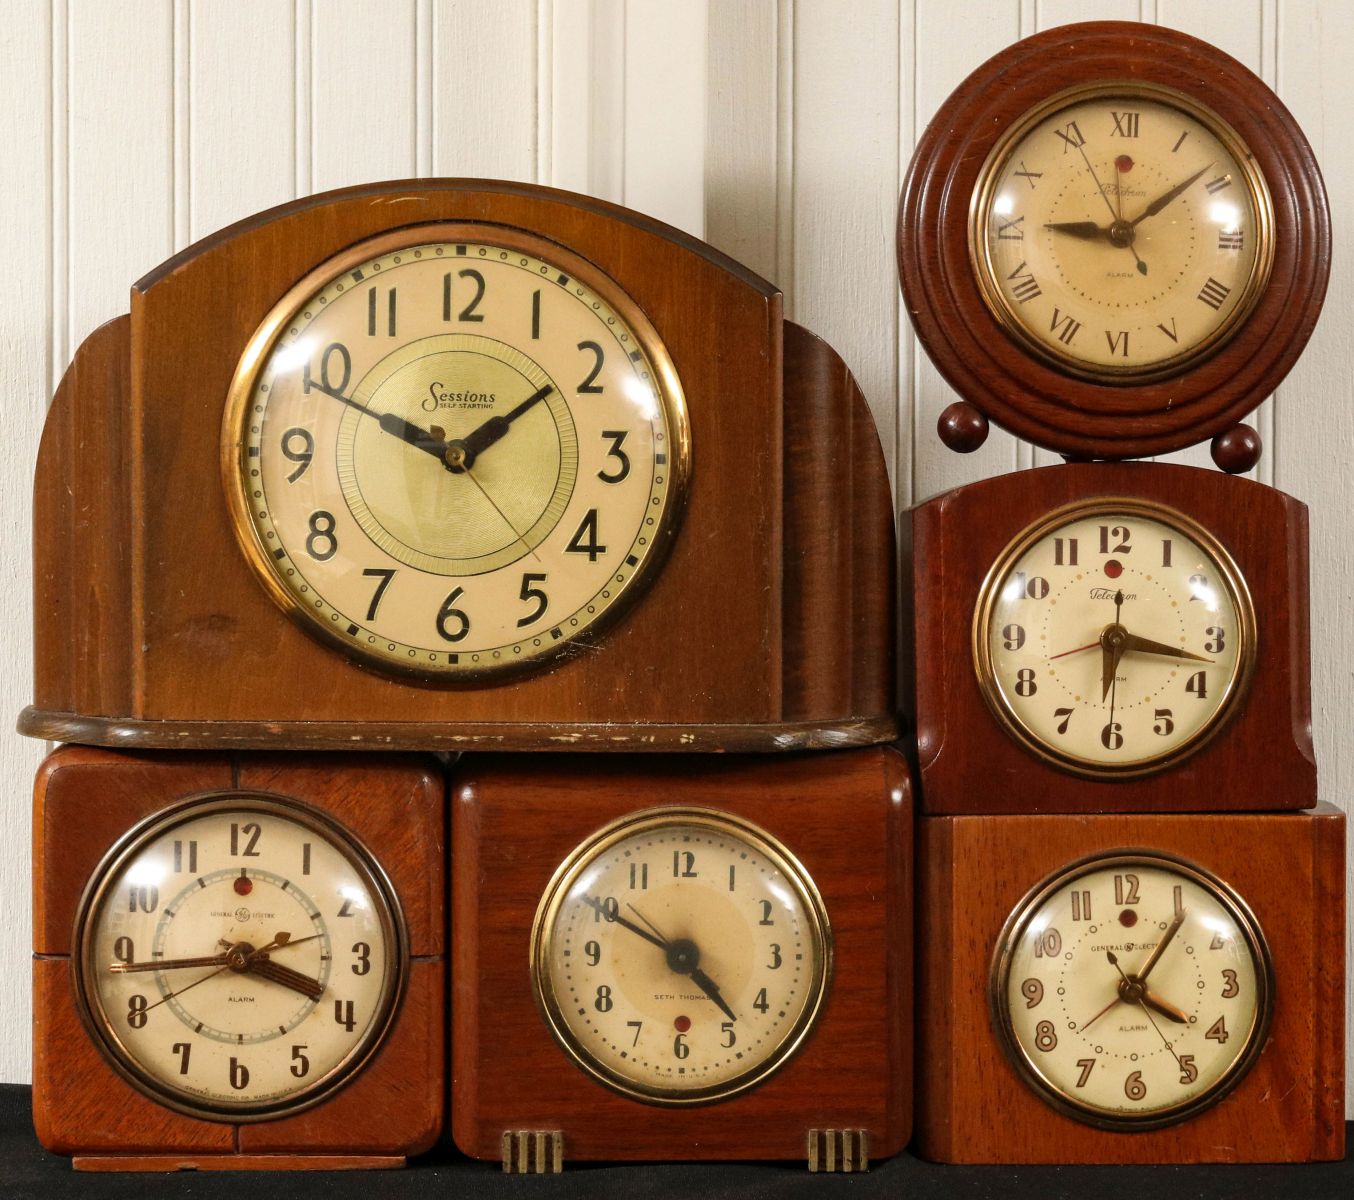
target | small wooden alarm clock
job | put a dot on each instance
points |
(1132, 988)
(1111, 637)
(238, 963)
(462, 471)
(704, 959)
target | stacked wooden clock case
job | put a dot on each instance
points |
(1114, 243)
(469, 609)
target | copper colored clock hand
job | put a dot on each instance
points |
(1171, 930)
(1113, 650)
(470, 476)
(168, 964)
(265, 968)
(1166, 1009)
(1100, 1014)
(1143, 645)
(1078, 650)
(1166, 197)
(186, 988)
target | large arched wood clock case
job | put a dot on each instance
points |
(174, 609)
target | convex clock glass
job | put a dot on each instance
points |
(1121, 231)
(1132, 989)
(681, 955)
(1114, 637)
(453, 449)
(238, 957)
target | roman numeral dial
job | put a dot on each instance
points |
(1122, 234)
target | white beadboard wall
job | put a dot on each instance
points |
(777, 129)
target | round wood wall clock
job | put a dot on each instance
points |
(1114, 242)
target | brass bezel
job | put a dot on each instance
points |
(1049, 1092)
(157, 824)
(995, 697)
(985, 270)
(633, 824)
(667, 386)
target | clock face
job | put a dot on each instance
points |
(1121, 232)
(1114, 637)
(681, 955)
(1132, 990)
(239, 957)
(454, 449)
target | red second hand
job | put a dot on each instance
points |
(1078, 650)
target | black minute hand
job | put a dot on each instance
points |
(598, 907)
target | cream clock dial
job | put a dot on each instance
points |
(239, 957)
(1132, 989)
(681, 955)
(1114, 637)
(454, 449)
(1121, 232)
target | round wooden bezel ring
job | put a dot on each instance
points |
(1008, 384)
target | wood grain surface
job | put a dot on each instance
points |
(84, 800)
(1262, 758)
(1012, 386)
(973, 870)
(777, 590)
(846, 816)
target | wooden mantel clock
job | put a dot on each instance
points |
(460, 464)
(238, 960)
(681, 959)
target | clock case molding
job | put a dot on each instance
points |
(1000, 377)
(769, 627)
(1259, 757)
(974, 870)
(848, 819)
(84, 801)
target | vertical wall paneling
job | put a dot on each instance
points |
(741, 135)
(906, 432)
(1316, 442)
(845, 190)
(587, 96)
(951, 39)
(241, 132)
(119, 154)
(30, 101)
(363, 87)
(483, 89)
(665, 110)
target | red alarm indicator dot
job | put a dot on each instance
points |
(1114, 568)
(1124, 163)
(682, 1024)
(1128, 918)
(243, 885)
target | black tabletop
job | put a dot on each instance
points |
(26, 1170)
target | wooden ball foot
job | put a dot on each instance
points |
(962, 427)
(1237, 450)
